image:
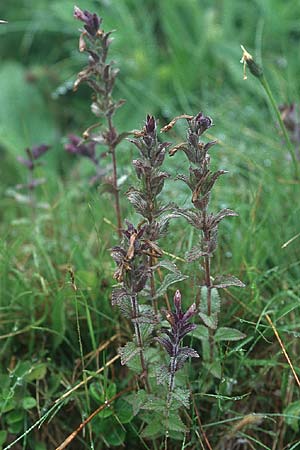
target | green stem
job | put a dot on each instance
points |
(290, 146)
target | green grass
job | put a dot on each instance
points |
(174, 57)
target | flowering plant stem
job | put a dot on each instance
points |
(138, 335)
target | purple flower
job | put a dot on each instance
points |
(39, 150)
(202, 123)
(150, 124)
(180, 327)
(34, 153)
(77, 147)
(92, 21)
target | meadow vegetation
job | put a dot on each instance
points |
(92, 317)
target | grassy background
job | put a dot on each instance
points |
(174, 57)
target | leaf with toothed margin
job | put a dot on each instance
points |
(194, 218)
(127, 352)
(118, 295)
(162, 374)
(183, 354)
(221, 215)
(222, 282)
(174, 423)
(169, 279)
(166, 264)
(211, 321)
(138, 200)
(195, 253)
(137, 400)
(182, 396)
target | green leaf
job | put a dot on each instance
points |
(292, 415)
(182, 396)
(201, 332)
(169, 279)
(37, 372)
(124, 411)
(100, 396)
(28, 402)
(175, 423)
(195, 253)
(211, 321)
(214, 368)
(115, 436)
(15, 416)
(223, 282)
(228, 334)
(3, 436)
(154, 404)
(154, 428)
(127, 352)
(137, 400)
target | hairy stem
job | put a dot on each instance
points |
(138, 334)
(173, 365)
(208, 286)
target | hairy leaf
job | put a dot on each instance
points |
(127, 352)
(201, 332)
(222, 282)
(194, 218)
(169, 279)
(210, 321)
(182, 396)
(228, 334)
(154, 403)
(195, 253)
(183, 354)
(154, 428)
(215, 300)
(162, 374)
(137, 400)
(222, 214)
(118, 295)
(138, 200)
(175, 423)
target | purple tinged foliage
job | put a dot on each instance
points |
(92, 21)
(33, 154)
(77, 146)
(180, 327)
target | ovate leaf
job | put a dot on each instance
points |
(175, 423)
(195, 253)
(228, 334)
(169, 279)
(227, 281)
(182, 396)
(292, 415)
(127, 352)
(201, 332)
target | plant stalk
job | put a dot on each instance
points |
(138, 334)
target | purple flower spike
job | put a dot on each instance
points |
(202, 123)
(150, 124)
(39, 150)
(180, 327)
(77, 147)
(92, 21)
(177, 302)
